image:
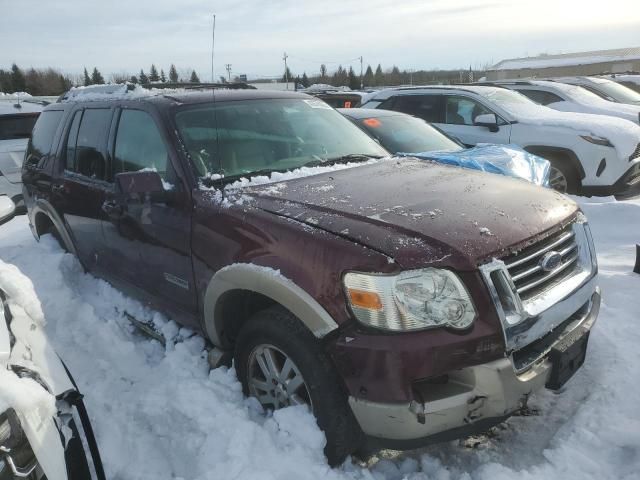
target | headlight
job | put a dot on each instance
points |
(597, 140)
(412, 300)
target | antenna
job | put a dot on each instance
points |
(213, 44)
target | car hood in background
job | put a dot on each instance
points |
(420, 212)
(11, 158)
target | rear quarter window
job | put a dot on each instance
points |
(42, 137)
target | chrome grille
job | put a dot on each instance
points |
(527, 272)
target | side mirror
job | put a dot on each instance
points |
(488, 120)
(141, 184)
(7, 209)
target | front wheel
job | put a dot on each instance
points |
(281, 363)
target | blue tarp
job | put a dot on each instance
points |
(508, 160)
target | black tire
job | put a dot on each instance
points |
(563, 165)
(278, 327)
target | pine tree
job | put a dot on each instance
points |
(287, 76)
(96, 77)
(379, 76)
(17, 79)
(323, 72)
(194, 77)
(87, 78)
(354, 82)
(368, 77)
(163, 78)
(153, 74)
(305, 80)
(143, 78)
(173, 74)
(133, 79)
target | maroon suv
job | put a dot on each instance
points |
(403, 301)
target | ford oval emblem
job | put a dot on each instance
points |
(550, 261)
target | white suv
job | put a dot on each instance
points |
(589, 154)
(571, 98)
(617, 89)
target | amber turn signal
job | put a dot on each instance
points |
(363, 299)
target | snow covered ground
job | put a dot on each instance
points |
(159, 413)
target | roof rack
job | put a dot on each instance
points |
(199, 86)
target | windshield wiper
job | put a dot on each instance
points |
(351, 157)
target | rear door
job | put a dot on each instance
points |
(148, 237)
(80, 186)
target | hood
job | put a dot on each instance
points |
(420, 212)
(620, 110)
(11, 157)
(623, 134)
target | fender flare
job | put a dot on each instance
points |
(540, 150)
(270, 283)
(42, 207)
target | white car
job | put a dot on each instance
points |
(17, 119)
(614, 91)
(44, 427)
(571, 98)
(589, 154)
(629, 80)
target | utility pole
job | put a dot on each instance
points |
(228, 67)
(361, 77)
(213, 44)
(286, 70)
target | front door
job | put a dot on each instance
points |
(460, 113)
(154, 228)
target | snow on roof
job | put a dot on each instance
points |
(569, 59)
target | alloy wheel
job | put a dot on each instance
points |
(558, 180)
(275, 380)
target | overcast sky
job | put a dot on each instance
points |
(123, 36)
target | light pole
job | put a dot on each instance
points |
(286, 70)
(361, 78)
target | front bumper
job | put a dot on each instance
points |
(627, 186)
(471, 399)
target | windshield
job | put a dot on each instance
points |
(16, 126)
(406, 134)
(268, 135)
(618, 92)
(505, 98)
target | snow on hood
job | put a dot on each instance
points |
(623, 134)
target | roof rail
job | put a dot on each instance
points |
(199, 86)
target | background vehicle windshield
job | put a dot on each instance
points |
(618, 92)
(400, 133)
(268, 135)
(16, 126)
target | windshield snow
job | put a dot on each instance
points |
(260, 136)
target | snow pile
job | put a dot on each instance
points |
(114, 91)
(159, 413)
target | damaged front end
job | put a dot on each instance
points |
(45, 431)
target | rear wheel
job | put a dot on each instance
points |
(281, 363)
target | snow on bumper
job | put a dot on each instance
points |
(472, 399)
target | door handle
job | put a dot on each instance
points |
(112, 208)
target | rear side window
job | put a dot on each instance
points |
(42, 137)
(16, 126)
(85, 149)
(541, 97)
(139, 144)
(428, 107)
